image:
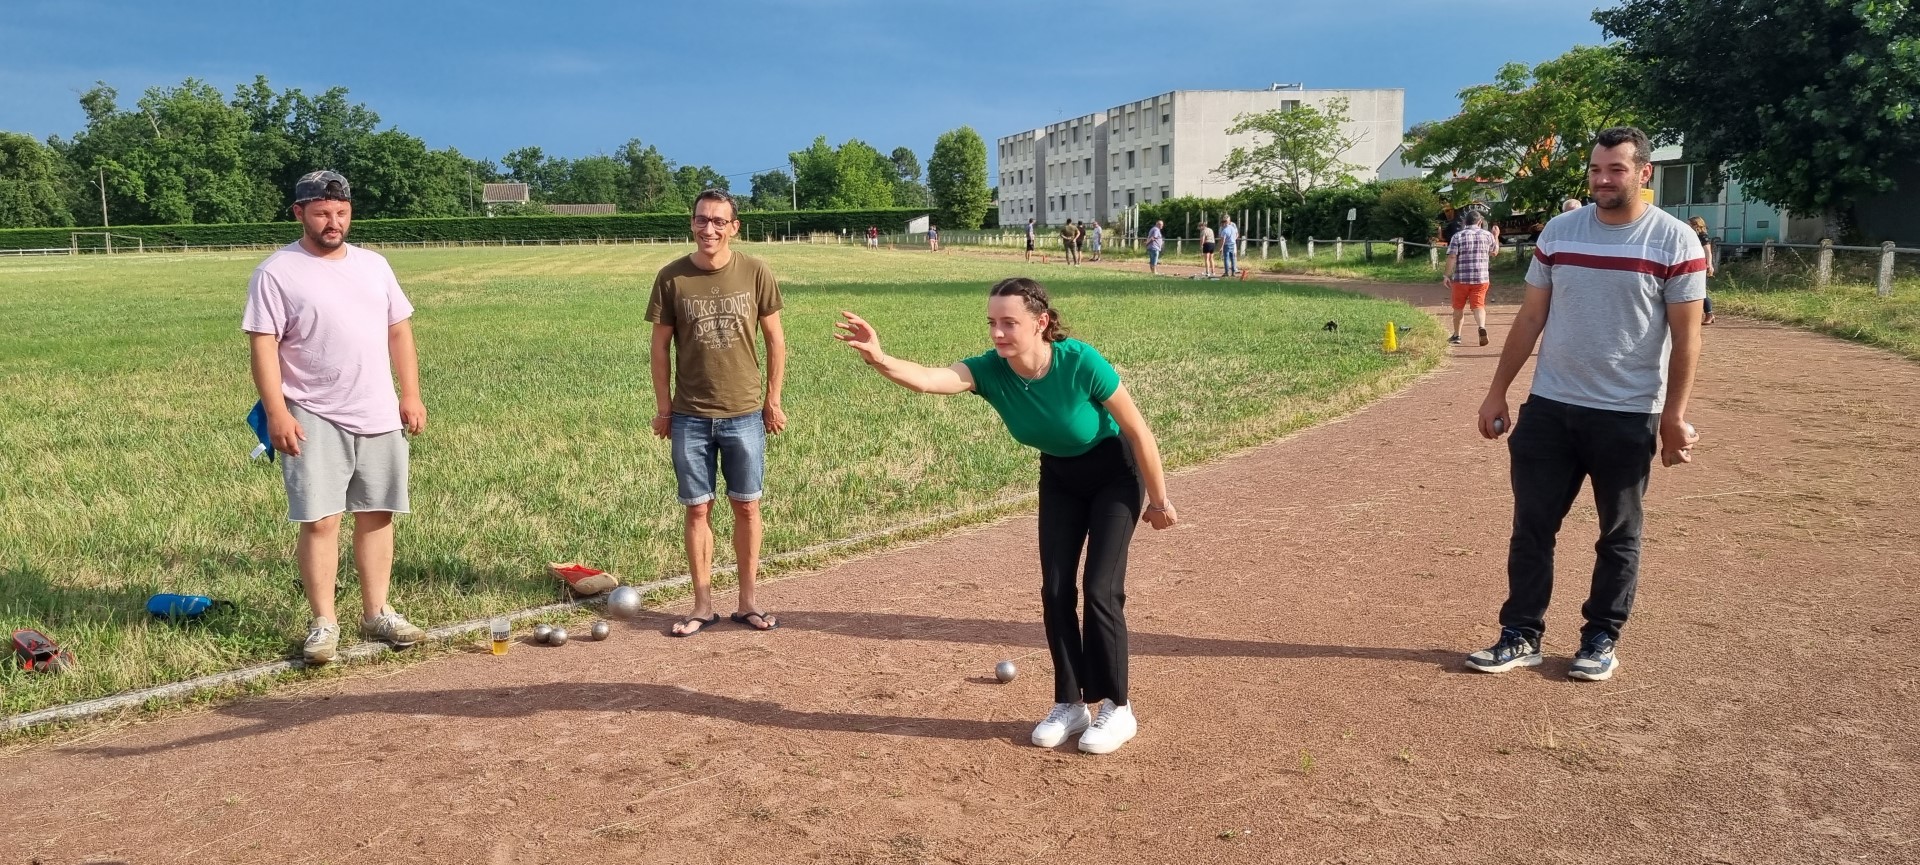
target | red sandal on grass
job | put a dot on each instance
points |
(582, 580)
(38, 653)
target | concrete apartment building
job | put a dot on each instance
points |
(1166, 146)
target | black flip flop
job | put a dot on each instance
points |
(705, 623)
(770, 620)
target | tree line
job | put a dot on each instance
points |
(189, 154)
(1814, 106)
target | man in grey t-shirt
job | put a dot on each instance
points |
(1614, 300)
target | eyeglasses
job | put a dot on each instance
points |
(716, 222)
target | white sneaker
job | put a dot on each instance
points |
(1110, 730)
(392, 628)
(1065, 720)
(323, 641)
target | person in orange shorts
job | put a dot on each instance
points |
(1469, 272)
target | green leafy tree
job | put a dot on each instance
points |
(1299, 149)
(542, 174)
(1407, 209)
(772, 190)
(689, 181)
(181, 156)
(1813, 104)
(33, 184)
(394, 175)
(816, 174)
(851, 176)
(649, 185)
(866, 178)
(592, 180)
(957, 177)
(908, 191)
(1532, 129)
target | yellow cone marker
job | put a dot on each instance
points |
(1392, 342)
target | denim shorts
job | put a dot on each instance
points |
(736, 446)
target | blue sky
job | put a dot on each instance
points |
(739, 85)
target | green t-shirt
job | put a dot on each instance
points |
(714, 314)
(1061, 412)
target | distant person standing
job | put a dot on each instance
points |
(1096, 240)
(1206, 246)
(1067, 235)
(933, 237)
(873, 236)
(330, 330)
(1470, 273)
(1029, 239)
(1699, 227)
(1229, 245)
(1156, 241)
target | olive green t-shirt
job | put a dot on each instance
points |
(1060, 413)
(714, 314)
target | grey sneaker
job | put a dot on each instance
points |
(1513, 650)
(323, 641)
(389, 627)
(1595, 662)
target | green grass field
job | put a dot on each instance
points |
(124, 470)
(1849, 308)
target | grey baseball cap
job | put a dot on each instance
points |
(316, 185)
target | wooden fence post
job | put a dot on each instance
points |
(1823, 274)
(1339, 248)
(1310, 243)
(1399, 250)
(1433, 258)
(1886, 269)
(1766, 253)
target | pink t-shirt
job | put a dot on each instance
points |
(331, 316)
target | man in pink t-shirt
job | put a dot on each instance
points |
(330, 329)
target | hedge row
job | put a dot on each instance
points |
(512, 228)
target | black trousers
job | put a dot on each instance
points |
(1089, 502)
(1555, 447)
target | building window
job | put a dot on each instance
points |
(1166, 116)
(1130, 160)
(1076, 135)
(1673, 184)
(1166, 154)
(1087, 166)
(1289, 104)
(1130, 201)
(1165, 193)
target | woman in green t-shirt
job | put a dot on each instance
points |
(1097, 460)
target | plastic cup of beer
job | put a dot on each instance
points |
(502, 635)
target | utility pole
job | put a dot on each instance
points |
(793, 173)
(103, 201)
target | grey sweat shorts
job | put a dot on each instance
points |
(339, 471)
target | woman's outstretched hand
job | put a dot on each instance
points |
(859, 336)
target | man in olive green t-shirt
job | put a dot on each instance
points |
(717, 411)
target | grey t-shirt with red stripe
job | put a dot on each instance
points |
(1606, 340)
